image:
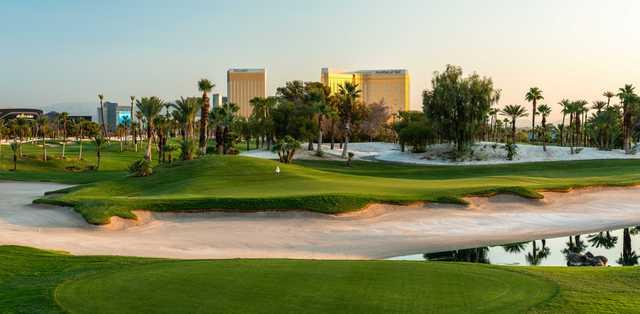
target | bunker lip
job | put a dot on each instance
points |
(380, 231)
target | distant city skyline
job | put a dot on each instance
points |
(69, 51)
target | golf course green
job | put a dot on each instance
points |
(243, 183)
(33, 280)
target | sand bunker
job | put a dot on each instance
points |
(380, 231)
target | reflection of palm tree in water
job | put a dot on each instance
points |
(628, 256)
(603, 239)
(535, 257)
(575, 245)
(477, 255)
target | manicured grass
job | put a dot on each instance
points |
(32, 168)
(37, 281)
(241, 183)
(591, 290)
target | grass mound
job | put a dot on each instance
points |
(241, 183)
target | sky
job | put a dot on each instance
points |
(66, 52)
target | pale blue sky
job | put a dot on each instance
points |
(61, 51)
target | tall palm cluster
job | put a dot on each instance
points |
(311, 112)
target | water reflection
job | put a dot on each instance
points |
(578, 250)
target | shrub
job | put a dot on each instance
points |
(286, 149)
(512, 151)
(141, 168)
(187, 147)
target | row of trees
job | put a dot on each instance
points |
(462, 109)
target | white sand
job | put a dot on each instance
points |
(379, 232)
(484, 153)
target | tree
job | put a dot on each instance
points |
(185, 111)
(544, 111)
(223, 118)
(514, 112)
(286, 149)
(608, 95)
(102, 122)
(533, 96)
(318, 95)
(349, 95)
(405, 119)
(43, 128)
(15, 147)
(150, 108)
(565, 103)
(376, 119)
(99, 142)
(457, 106)
(629, 100)
(205, 86)
(3, 131)
(133, 132)
(64, 117)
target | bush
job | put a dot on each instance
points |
(416, 135)
(141, 168)
(187, 147)
(512, 151)
(232, 151)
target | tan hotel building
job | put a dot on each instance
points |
(244, 85)
(390, 86)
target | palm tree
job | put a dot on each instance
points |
(224, 117)
(514, 112)
(132, 131)
(102, 122)
(64, 117)
(533, 95)
(349, 94)
(150, 108)
(205, 86)
(515, 247)
(185, 111)
(3, 130)
(629, 99)
(609, 95)
(99, 141)
(599, 105)
(565, 103)
(544, 111)
(15, 147)
(43, 128)
(318, 96)
(603, 239)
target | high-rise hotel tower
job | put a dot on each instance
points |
(244, 85)
(388, 86)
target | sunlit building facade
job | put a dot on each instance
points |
(388, 86)
(244, 85)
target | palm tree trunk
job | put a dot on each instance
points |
(319, 149)
(44, 147)
(204, 119)
(147, 154)
(347, 130)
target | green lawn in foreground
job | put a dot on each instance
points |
(34, 281)
(37, 281)
(242, 183)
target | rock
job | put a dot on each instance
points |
(588, 259)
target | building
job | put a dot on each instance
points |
(114, 115)
(24, 113)
(388, 86)
(244, 85)
(216, 100)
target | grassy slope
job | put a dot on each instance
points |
(239, 183)
(34, 281)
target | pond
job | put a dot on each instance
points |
(617, 246)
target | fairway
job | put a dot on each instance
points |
(242, 183)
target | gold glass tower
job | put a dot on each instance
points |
(388, 86)
(244, 85)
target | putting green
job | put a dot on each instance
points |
(286, 286)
